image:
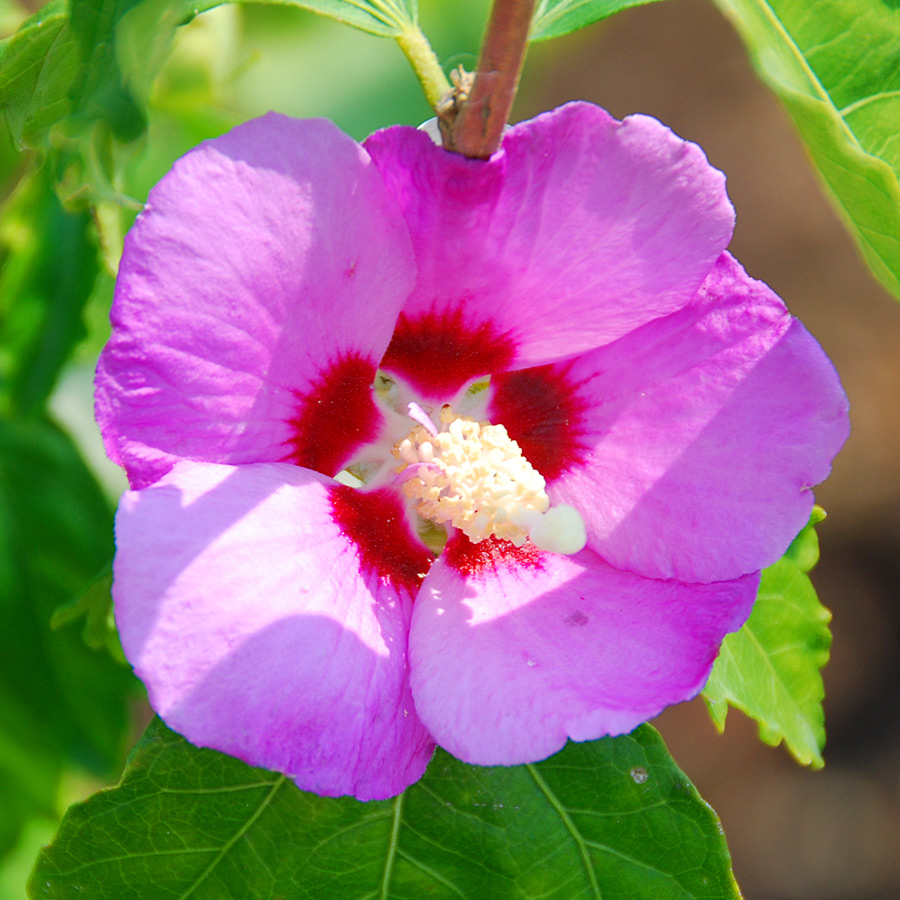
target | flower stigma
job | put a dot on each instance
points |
(471, 475)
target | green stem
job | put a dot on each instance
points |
(428, 70)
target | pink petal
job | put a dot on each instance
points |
(512, 651)
(580, 229)
(257, 292)
(689, 446)
(268, 622)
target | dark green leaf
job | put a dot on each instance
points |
(553, 18)
(55, 534)
(835, 69)
(29, 768)
(614, 819)
(94, 604)
(770, 669)
(48, 263)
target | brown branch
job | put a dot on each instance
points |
(473, 117)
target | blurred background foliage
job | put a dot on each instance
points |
(69, 710)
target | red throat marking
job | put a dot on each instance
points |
(542, 412)
(335, 416)
(376, 523)
(489, 556)
(438, 352)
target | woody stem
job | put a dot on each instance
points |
(477, 127)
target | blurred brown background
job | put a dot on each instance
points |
(835, 834)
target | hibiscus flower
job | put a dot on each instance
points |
(568, 431)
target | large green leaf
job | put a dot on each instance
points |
(553, 18)
(770, 669)
(614, 819)
(834, 66)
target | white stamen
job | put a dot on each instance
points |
(473, 476)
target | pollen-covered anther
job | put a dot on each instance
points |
(473, 476)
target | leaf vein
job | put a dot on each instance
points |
(236, 837)
(431, 872)
(392, 846)
(570, 825)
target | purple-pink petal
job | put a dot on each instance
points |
(258, 289)
(690, 446)
(578, 230)
(264, 627)
(301, 624)
(514, 651)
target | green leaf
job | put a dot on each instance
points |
(33, 64)
(29, 768)
(76, 77)
(614, 819)
(60, 702)
(835, 69)
(770, 669)
(65, 63)
(95, 605)
(74, 83)
(553, 18)
(48, 263)
(382, 17)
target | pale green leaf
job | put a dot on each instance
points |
(382, 17)
(835, 68)
(33, 66)
(613, 819)
(553, 18)
(770, 669)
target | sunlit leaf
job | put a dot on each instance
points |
(74, 81)
(770, 669)
(33, 66)
(835, 69)
(614, 819)
(383, 17)
(553, 18)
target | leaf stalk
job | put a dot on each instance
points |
(417, 50)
